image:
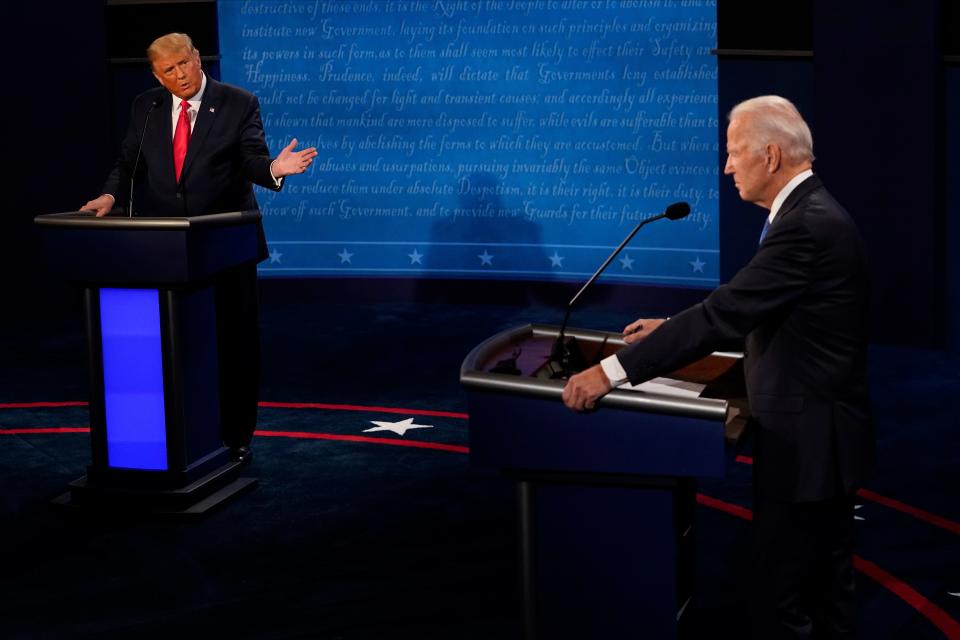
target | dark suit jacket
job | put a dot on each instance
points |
(226, 155)
(802, 305)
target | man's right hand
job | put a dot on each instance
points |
(100, 206)
(640, 329)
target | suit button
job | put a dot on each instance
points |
(179, 196)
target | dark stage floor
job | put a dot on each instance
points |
(355, 534)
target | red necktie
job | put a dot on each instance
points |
(181, 138)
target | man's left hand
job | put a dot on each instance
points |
(585, 388)
(290, 162)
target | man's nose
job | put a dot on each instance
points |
(728, 167)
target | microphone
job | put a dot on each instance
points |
(133, 174)
(563, 353)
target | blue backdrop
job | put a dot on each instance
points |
(485, 138)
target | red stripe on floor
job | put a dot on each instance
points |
(417, 444)
(306, 435)
(930, 611)
(726, 507)
(903, 507)
(357, 407)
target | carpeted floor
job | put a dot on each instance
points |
(347, 538)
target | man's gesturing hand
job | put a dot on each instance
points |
(290, 162)
(585, 388)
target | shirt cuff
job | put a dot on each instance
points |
(614, 370)
(276, 181)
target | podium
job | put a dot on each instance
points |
(153, 362)
(606, 498)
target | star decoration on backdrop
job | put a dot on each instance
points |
(627, 263)
(345, 257)
(415, 257)
(399, 428)
(485, 258)
(275, 256)
(556, 260)
(697, 265)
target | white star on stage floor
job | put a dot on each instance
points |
(345, 257)
(697, 265)
(274, 256)
(627, 263)
(556, 260)
(399, 428)
(415, 257)
(485, 258)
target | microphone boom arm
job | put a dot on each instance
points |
(560, 352)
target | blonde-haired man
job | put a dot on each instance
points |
(226, 153)
(197, 147)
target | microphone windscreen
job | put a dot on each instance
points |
(677, 210)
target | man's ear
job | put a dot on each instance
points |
(773, 157)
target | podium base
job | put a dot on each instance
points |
(195, 499)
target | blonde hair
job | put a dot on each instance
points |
(777, 122)
(170, 43)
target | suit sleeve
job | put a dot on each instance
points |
(253, 148)
(774, 279)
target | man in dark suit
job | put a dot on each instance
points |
(203, 148)
(802, 306)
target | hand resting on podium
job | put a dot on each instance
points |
(585, 388)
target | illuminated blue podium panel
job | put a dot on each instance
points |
(152, 341)
(606, 498)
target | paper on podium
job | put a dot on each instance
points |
(667, 387)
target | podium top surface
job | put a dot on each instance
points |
(530, 345)
(115, 251)
(87, 220)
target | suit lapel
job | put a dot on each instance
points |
(209, 108)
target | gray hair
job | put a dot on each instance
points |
(778, 122)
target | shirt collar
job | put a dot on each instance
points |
(786, 191)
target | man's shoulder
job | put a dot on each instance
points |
(226, 89)
(822, 216)
(811, 198)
